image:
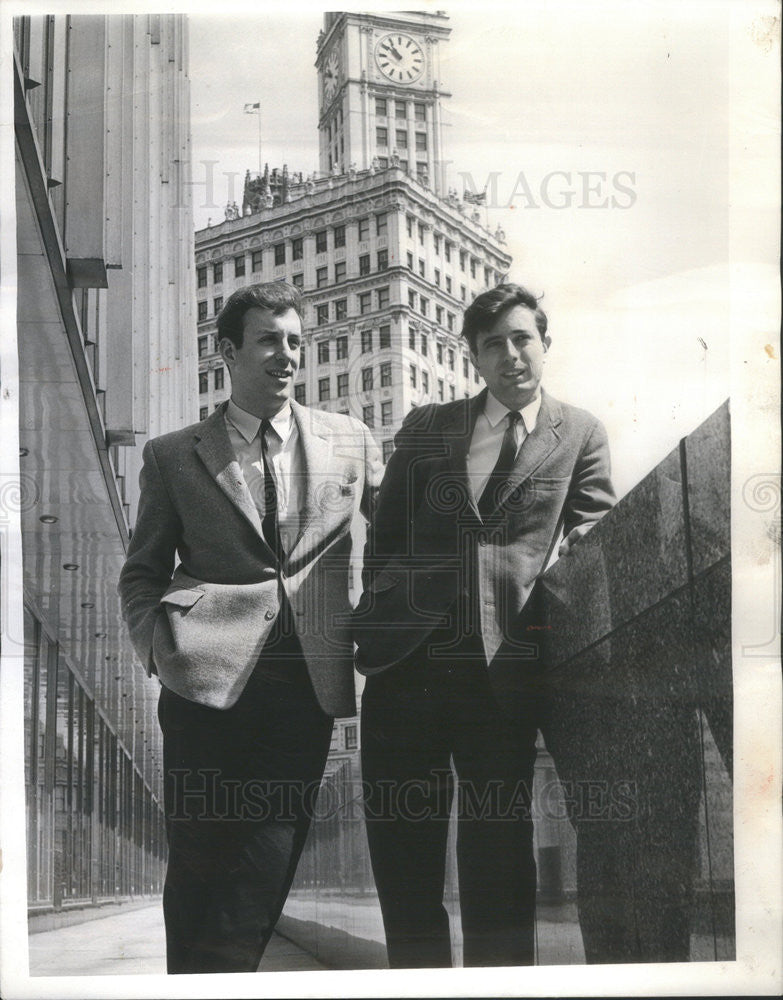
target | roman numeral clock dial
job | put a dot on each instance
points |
(399, 58)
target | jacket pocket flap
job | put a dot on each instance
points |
(181, 597)
(383, 581)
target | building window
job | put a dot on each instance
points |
(439, 315)
(409, 225)
(297, 248)
(450, 356)
(440, 389)
(412, 339)
(386, 373)
(413, 375)
(386, 413)
(219, 376)
(321, 277)
(323, 390)
(383, 162)
(383, 297)
(301, 357)
(452, 393)
(439, 353)
(423, 305)
(381, 224)
(384, 337)
(472, 267)
(201, 277)
(424, 345)
(422, 270)
(364, 264)
(364, 229)
(462, 292)
(340, 309)
(475, 376)
(448, 284)
(465, 368)
(323, 351)
(437, 277)
(366, 341)
(341, 345)
(368, 415)
(388, 449)
(436, 242)
(320, 241)
(203, 382)
(339, 236)
(217, 273)
(298, 281)
(203, 346)
(339, 272)
(203, 412)
(402, 139)
(342, 384)
(419, 111)
(463, 257)
(217, 304)
(365, 303)
(447, 251)
(300, 393)
(411, 298)
(257, 260)
(380, 107)
(383, 260)
(425, 382)
(279, 254)
(400, 110)
(410, 261)
(421, 234)
(239, 266)
(322, 314)
(382, 136)
(421, 142)
(487, 275)
(202, 311)
(367, 381)
(450, 321)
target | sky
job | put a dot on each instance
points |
(607, 134)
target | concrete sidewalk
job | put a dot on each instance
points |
(133, 943)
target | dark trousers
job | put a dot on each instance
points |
(417, 717)
(240, 786)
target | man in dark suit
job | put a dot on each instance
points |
(473, 501)
(249, 634)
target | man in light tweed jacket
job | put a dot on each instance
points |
(249, 633)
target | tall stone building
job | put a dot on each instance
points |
(105, 300)
(387, 258)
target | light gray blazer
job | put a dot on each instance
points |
(202, 626)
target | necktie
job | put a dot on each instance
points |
(492, 493)
(269, 524)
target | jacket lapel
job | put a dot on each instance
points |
(314, 438)
(214, 449)
(538, 445)
(457, 432)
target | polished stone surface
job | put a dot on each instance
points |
(708, 459)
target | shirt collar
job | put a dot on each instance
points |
(248, 423)
(495, 411)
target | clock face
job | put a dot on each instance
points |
(331, 76)
(399, 58)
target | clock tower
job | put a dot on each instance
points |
(380, 89)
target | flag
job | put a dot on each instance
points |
(475, 199)
(250, 108)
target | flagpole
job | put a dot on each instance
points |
(260, 168)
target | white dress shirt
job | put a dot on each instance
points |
(488, 437)
(286, 461)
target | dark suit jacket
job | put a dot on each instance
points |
(429, 546)
(202, 628)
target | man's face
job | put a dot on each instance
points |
(510, 357)
(263, 368)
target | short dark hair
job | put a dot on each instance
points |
(486, 309)
(276, 296)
